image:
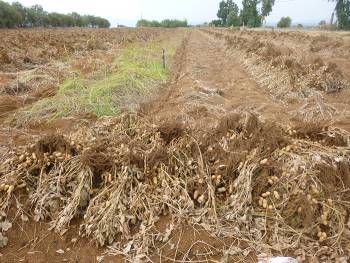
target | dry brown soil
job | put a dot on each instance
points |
(206, 83)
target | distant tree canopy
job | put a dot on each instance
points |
(342, 9)
(170, 23)
(322, 23)
(148, 23)
(233, 18)
(216, 23)
(252, 13)
(267, 7)
(228, 9)
(16, 15)
(285, 22)
(249, 13)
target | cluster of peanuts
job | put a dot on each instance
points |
(219, 188)
(322, 235)
(56, 156)
(272, 180)
(263, 199)
(315, 192)
(9, 188)
(107, 177)
(28, 159)
(324, 217)
(201, 198)
(291, 132)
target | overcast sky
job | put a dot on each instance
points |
(195, 11)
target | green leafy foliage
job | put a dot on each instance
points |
(216, 23)
(9, 16)
(249, 13)
(343, 13)
(229, 14)
(16, 15)
(170, 23)
(285, 22)
(148, 23)
(233, 19)
(267, 7)
(228, 8)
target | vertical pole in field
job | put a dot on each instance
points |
(164, 58)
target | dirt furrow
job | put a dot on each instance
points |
(209, 84)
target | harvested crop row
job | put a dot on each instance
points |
(336, 44)
(289, 79)
(276, 189)
(26, 49)
(108, 85)
(44, 81)
(290, 73)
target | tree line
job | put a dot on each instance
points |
(254, 12)
(170, 23)
(16, 15)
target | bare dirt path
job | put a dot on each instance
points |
(209, 83)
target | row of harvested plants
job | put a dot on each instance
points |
(286, 73)
(30, 48)
(277, 189)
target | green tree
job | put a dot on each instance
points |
(9, 16)
(285, 22)
(36, 16)
(23, 13)
(225, 8)
(77, 19)
(216, 23)
(249, 13)
(342, 9)
(233, 19)
(170, 23)
(267, 7)
(16, 15)
(174, 23)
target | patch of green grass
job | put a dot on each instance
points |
(137, 71)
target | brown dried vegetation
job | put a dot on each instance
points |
(111, 174)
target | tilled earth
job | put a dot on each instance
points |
(243, 155)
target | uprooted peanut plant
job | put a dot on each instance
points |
(275, 189)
